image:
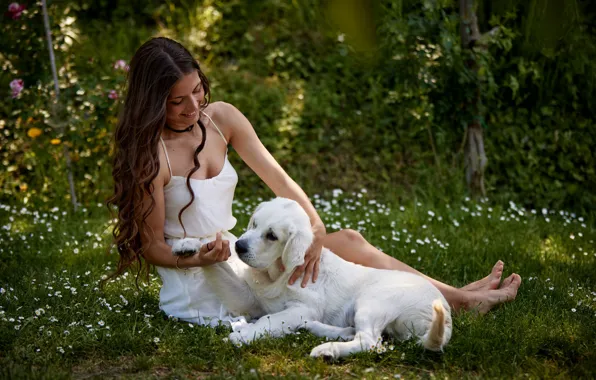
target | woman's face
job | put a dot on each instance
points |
(183, 103)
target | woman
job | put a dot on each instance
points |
(165, 189)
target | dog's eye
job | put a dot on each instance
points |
(271, 236)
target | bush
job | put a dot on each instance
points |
(372, 101)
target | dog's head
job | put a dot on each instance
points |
(278, 228)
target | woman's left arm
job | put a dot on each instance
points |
(245, 141)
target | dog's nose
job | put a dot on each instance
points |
(241, 246)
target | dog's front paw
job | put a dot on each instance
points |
(327, 351)
(186, 247)
(240, 327)
(237, 339)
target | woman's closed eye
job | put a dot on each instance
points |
(196, 91)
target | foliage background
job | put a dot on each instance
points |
(345, 94)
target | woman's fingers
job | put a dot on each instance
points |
(225, 251)
(218, 241)
(308, 273)
(216, 250)
(315, 273)
(297, 273)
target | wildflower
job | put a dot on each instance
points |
(2, 291)
(101, 323)
(121, 65)
(60, 350)
(16, 85)
(156, 340)
(15, 10)
(573, 310)
(34, 132)
(113, 95)
(55, 141)
(39, 312)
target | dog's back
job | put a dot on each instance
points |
(408, 304)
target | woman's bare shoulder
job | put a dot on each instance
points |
(225, 115)
(164, 175)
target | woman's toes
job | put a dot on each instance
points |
(509, 281)
(483, 301)
(498, 267)
(489, 282)
(506, 282)
(515, 282)
(495, 275)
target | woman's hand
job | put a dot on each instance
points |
(312, 258)
(213, 252)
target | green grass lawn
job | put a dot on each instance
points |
(57, 322)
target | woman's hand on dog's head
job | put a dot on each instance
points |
(213, 252)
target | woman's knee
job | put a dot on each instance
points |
(352, 236)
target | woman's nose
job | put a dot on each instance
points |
(194, 106)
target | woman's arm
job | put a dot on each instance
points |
(245, 141)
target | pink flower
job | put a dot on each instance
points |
(16, 85)
(121, 65)
(113, 94)
(15, 10)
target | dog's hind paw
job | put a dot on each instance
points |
(327, 351)
(186, 247)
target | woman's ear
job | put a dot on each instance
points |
(295, 249)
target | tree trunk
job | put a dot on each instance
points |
(46, 22)
(475, 157)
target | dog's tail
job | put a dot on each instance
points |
(434, 339)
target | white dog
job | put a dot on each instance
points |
(348, 301)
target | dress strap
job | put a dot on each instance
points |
(215, 125)
(163, 144)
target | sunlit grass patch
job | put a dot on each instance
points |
(55, 315)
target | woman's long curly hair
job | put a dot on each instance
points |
(154, 69)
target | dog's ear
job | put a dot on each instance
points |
(296, 246)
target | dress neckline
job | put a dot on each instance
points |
(226, 162)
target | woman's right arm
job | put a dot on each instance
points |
(155, 249)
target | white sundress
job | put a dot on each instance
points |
(186, 294)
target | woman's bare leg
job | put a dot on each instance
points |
(481, 295)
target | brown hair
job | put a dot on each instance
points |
(154, 69)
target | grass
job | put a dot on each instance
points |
(56, 322)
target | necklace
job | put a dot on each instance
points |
(188, 129)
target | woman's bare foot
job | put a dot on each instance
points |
(489, 282)
(484, 300)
